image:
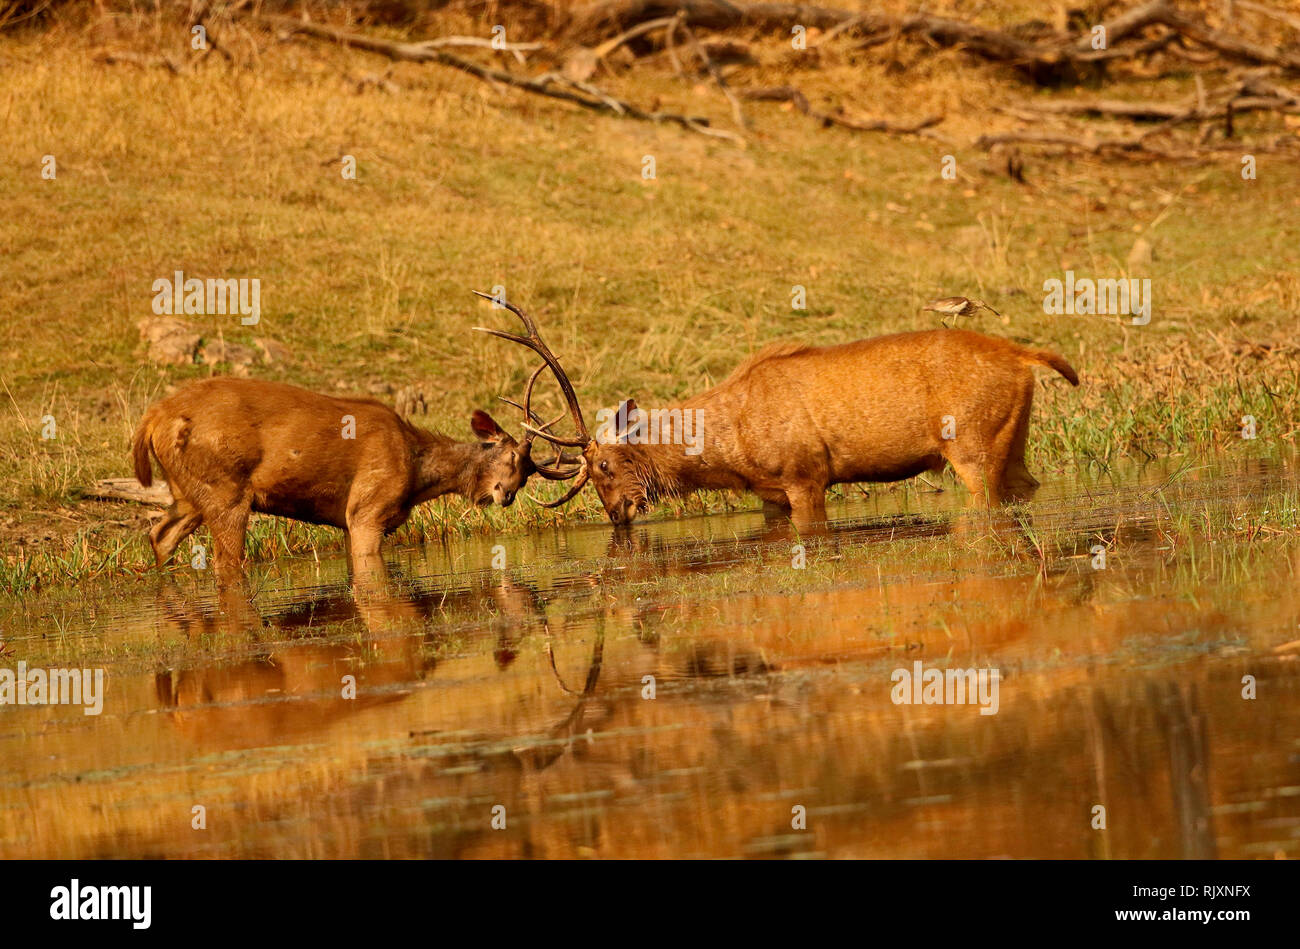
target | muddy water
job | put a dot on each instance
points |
(702, 687)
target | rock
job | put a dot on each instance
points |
(171, 341)
(237, 355)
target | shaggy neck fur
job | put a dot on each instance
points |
(444, 465)
(664, 468)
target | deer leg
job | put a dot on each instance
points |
(981, 481)
(364, 541)
(1017, 483)
(182, 520)
(808, 507)
(228, 527)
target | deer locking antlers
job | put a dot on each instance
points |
(534, 341)
(786, 424)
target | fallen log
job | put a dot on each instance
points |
(128, 489)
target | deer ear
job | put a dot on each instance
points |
(485, 427)
(626, 417)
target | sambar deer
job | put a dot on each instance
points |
(794, 419)
(233, 446)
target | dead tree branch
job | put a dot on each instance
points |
(1041, 59)
(549, 85)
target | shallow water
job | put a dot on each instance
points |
(527, 689)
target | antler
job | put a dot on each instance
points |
(583, 475)
(534, 342)
(551, 470)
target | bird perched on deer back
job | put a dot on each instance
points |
(958, 306)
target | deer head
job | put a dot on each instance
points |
(504, 465)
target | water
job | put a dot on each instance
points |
(528, 690)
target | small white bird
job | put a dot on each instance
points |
(958, 306)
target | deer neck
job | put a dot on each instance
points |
(443, 466)
(673, 462)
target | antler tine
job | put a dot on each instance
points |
(534, 342)
(528, 393)
(551, 473)
(528, 401)
(550, 469)
(556, 440)
(533, 415)
(569, 495)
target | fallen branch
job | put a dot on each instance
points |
(1138, 145)
(1131, 50)
(1278, 15)
(1088, 144)
(1163, 112)
(481, 42)
(1130, 21)
(146, 62)
(736, 112)
(1042, 59)
(547, 85)
(800, 101)
(604, 49)
(595, 19)
(1226, 43)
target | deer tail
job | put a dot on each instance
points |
(1045, 357)
(140, 448)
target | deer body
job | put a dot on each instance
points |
(793, 420)
(232, 446)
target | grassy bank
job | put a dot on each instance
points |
(651, 288)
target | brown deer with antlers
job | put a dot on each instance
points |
(233, 446)
(794, 419)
